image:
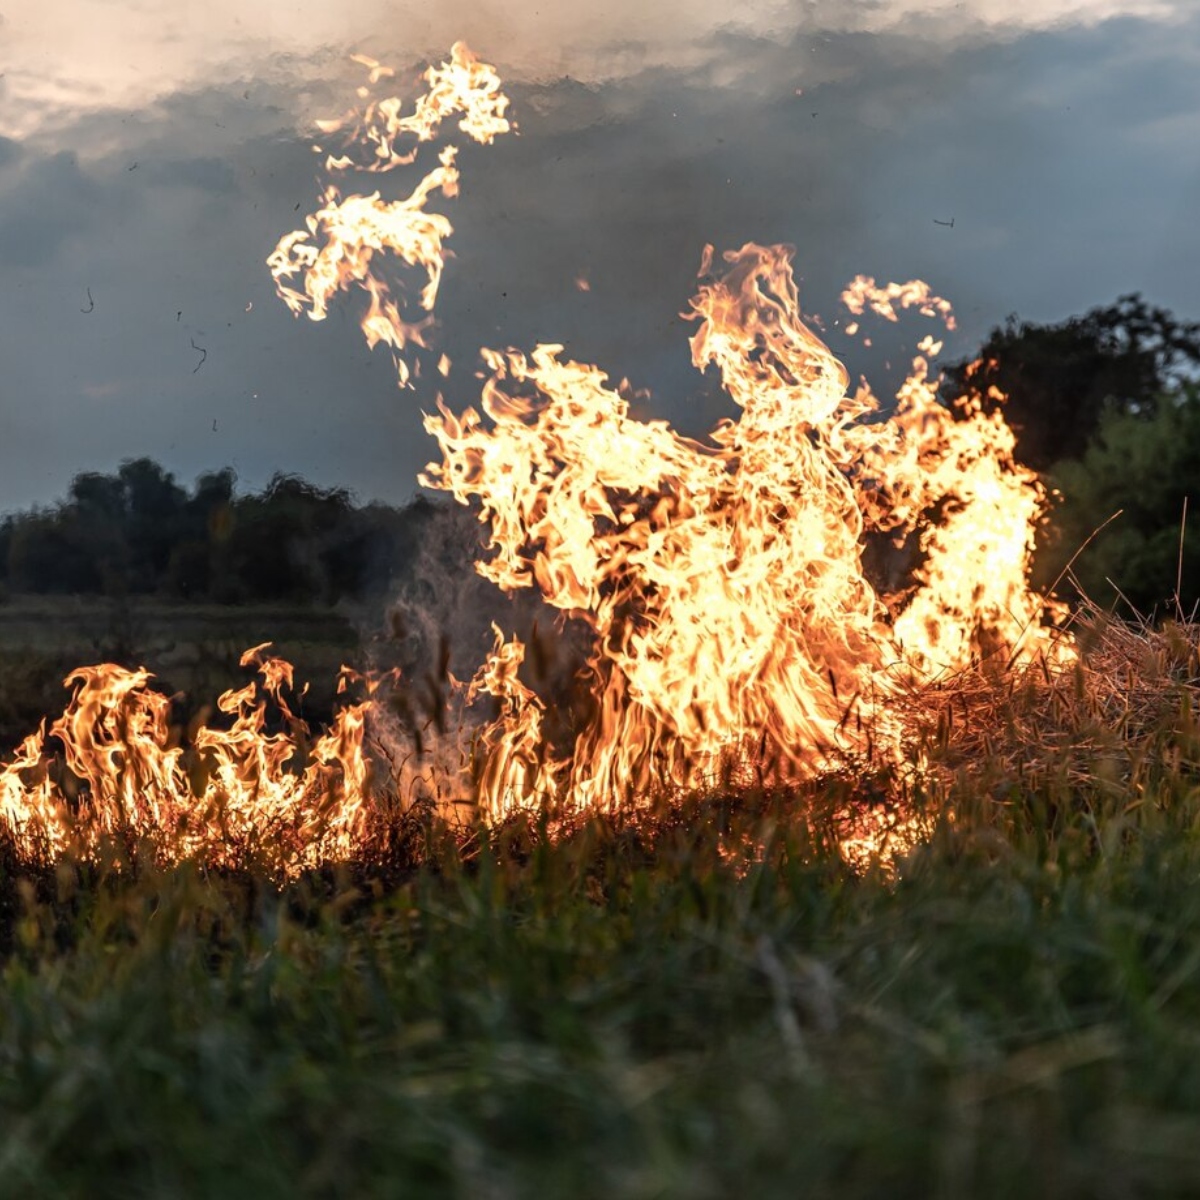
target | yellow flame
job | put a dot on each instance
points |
(339, 247)
(463, 85)
(733, 619)
(724, 580)
(240, 791)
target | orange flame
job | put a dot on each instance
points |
(724, 581)
(237, 793)
(339, 245)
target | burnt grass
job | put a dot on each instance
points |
(703, 1000)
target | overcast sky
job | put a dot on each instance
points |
(153, 151)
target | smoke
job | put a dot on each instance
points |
(435, 633)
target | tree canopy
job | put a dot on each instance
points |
(1059, 379)
(1146, 467)
(139, 532)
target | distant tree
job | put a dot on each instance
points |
(212, 501)
(1144, 464)
(1060, 378)
(48, 555)
(197, 567)
(283, 540)
(139, 532)
(7, 529)
(96, 517)
(128, 524)
(154, 512)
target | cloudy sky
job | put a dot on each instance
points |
(153, 151)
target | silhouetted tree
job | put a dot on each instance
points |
(48, 555)
(198, 563)
(281, 538)
(96, 516)
(154, 510)
(7, 528)
(139, 532)
(1060, 378)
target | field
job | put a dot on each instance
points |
(192, 649)
(700, 1001)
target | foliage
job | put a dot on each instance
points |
(138, 532)
(1144, 466)
(1061, 378)
(1106, 407)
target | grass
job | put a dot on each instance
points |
(700, 1002)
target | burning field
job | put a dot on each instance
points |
(800, 848)
(807, 592)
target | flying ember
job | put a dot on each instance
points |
(732, 617)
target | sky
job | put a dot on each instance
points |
(1031, 159)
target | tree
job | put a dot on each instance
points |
(139, 532)
(198, 567)
(284, 541)
(1144, 464)
(154, 507)
(127, 523)
(47, 555)
(1060, 379)
(96, 517)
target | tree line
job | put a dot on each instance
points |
(138, 532)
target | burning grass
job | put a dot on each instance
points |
(112, 781)
(1114, 723)
(700, 999)
(836, 890)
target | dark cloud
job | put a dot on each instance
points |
(210, 175)
(1066, 159)
(10, 151)
(52, 201)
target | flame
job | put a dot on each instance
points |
(338, 248)
(735, 626)
(863, 293)
(461, 85)
(126, 780)
(724, 580)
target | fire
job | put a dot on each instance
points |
(341, 240)
(734, 623)
(724, 581)
(234, 793)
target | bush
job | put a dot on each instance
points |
(1145, 468)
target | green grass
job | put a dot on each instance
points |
(697, 1002)
(626, 1012)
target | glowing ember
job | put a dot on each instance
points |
(734, 625)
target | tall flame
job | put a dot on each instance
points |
(723, 582)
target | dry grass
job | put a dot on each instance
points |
(699, 999)
(1114, 721)
(1111, 725)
